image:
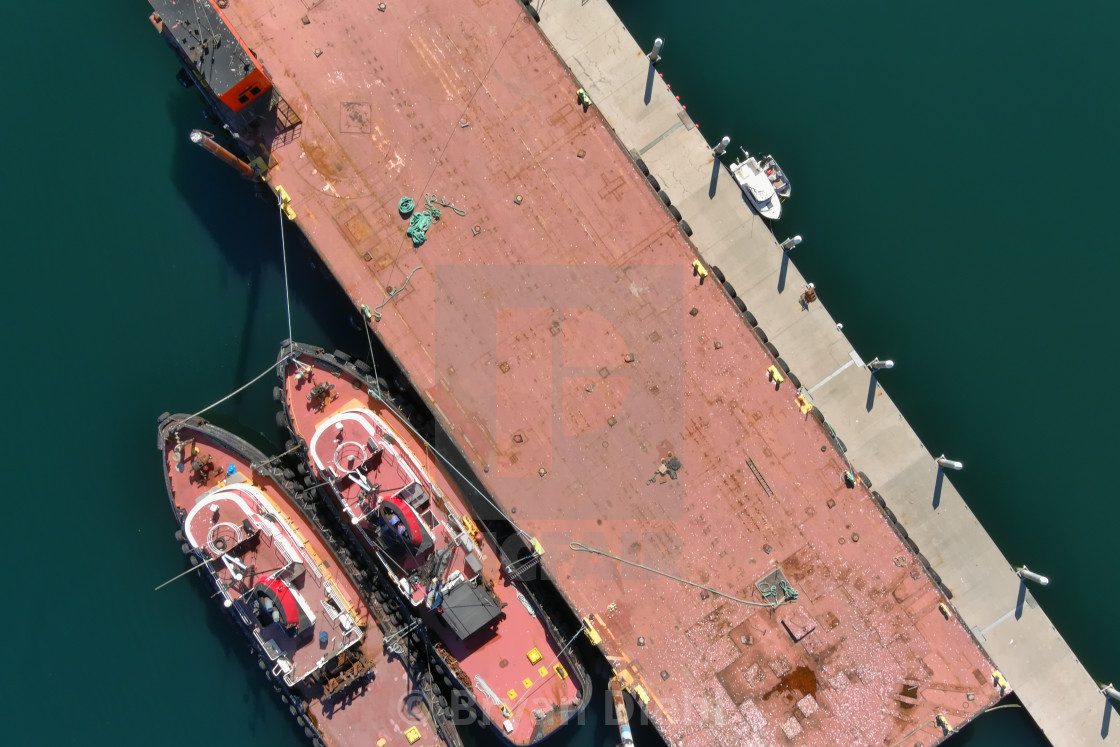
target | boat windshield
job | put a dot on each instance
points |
(762, 194)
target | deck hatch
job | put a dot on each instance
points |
(468, 608)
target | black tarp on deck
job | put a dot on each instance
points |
(468, 608)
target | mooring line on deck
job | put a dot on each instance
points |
(662, 136)
(832, 376)
(580, 547)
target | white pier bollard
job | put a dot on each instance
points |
(720, 149)
(655, 55)
(1111, 692)
(790, 243)
(1030, 575)
(876, 364)
(949, 463)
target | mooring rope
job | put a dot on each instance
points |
(376, 314)
(580, 547)
(234, 393)
(270, 460)
(284, 258)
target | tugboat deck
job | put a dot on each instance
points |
(347, 708)
(511, 649)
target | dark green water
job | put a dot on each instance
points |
(950, 169)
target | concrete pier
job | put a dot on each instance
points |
(988, 595)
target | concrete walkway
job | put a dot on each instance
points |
(1054, 686)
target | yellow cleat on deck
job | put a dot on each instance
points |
(591, 633)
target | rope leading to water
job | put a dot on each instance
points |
(580, 547)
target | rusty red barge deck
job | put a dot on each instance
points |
(561, 337)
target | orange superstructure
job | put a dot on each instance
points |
(219, 61)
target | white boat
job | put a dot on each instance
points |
(764, 183)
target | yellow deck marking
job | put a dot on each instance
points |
(603, 625)
(649, 691)
(621, 657)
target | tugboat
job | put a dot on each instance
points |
(763, 182)
(491, 637)
(287, 589)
